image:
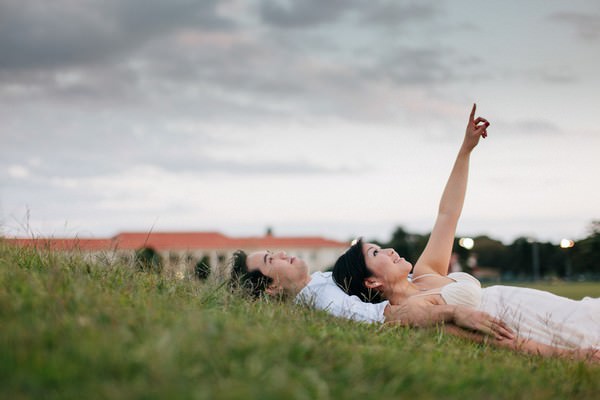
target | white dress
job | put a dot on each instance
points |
(532, 314)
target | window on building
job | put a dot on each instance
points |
(174, 258)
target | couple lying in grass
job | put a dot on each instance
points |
(372, 284)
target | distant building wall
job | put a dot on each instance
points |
(180, 252)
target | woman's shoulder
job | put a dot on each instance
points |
(464, 277)
(416, 277)
(431, 281)
(454, 276)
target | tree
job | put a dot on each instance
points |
(516, 261)
(586, 253)
(148, 260)
(202, 268)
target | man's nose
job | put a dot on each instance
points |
(282, 254)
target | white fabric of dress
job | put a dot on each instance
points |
(531, 313)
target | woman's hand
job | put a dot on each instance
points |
(482, 322)
(420, 311)
(476, 128)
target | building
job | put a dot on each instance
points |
(181, 252)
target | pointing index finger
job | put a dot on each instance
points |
(472, 116)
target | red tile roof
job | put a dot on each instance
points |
(63, 244)
(162, 241)
(274, 242)
(171, 240)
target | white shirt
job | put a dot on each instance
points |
(323, 294)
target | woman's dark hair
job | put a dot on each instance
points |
(350, 271)
(251, 282)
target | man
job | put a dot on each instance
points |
(277, 274)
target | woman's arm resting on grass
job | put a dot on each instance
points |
(527, 346)
(532, 347)
(436, 256)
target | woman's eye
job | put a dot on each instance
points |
(270, 260)
(375, 252)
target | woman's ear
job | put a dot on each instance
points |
(373, 283)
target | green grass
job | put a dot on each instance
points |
(74, 329)
(573, 290)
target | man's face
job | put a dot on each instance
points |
(288, 273)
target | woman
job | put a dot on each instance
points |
(544, 323)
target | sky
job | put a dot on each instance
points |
(335, 118)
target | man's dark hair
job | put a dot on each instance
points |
(350, 271)
(251, 282)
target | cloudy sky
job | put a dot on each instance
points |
(335, 118)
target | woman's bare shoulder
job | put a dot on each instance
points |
(431, 281)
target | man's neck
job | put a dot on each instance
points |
(297, 286)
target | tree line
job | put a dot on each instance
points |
(523, 259)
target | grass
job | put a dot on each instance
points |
(70, 328)
(573, 290)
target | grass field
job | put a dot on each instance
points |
(72, 329)
(573, 290)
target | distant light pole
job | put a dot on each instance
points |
(567, 244)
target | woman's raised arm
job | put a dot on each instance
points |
(436, 256)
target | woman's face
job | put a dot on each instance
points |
(385, 264)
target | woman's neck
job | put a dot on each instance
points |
(400, 291)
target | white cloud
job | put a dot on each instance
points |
(350, 111)
(18, 172)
